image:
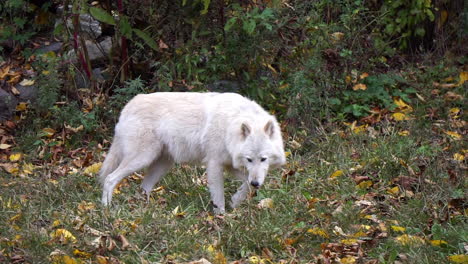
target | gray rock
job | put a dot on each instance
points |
(7, 105)
(89, 26)
(55, 47)
(96, 51)
(27, 93)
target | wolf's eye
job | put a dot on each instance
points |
(263, 159)
(249, 159)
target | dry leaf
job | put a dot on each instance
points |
(265, 203)
(335, 174)
(409, 240)
(359, 86)
(27, 82)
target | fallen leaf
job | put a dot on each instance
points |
(21, 107)
(404, 133)
(48, 132)
(398, 228)
(359, 86)
(463, 259)
(454, 135)
(335, 174)
(393, 191)
(318, 231)
(5, 146)
(402, 106)
(365, 184)
(454, 112)
(63, 236)
(162, 45)
(82, 254)
(458, 157)
(15, 157)
(348, 260)
(438, 243)
(27, 82)
(265, 203)
(93, 169)
(451, 96)
(409, 240)
(349, 241)
(463, 78)
(400, 116)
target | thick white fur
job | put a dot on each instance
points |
(220, 130)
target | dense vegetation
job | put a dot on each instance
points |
(371, 96)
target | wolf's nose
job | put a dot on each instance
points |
(254, 184)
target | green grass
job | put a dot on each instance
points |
(314, 218)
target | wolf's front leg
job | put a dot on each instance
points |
(240, 195)
(216, 185)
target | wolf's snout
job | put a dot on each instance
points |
(255, 184)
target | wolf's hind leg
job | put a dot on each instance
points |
(156, 171)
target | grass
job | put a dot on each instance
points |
(398, 197)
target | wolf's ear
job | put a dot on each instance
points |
(269, 128)
(245, 130)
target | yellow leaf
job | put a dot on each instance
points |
(404, 133)
(349, 241)
(463, 78)
(335, 174)
(404, 107)
(454, 135)
(56, 223)
(365, 184)
(5, 146)
(348, 260)
(63, 235)
(287, 153)
(101, 260)
(318, 231)
(398, 228)
(219, 258)
(22, 107)
(439, 243)
(348, 79)
(364, 75)
(454, 112)
(15, 157)
(28, 168)
(409, 240)
(86, 206)
(93, 169)
(337, 37)
(265, 203)
(27, 82)
(400, 116)
(458, 157)
(81, 254)
(14, 218)
(394, 191)
(284, 86)
(359, 86)
(48, 132)
(254, 260)
(458, 258)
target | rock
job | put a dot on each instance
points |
(7, 105)
(28, 94)
(55, 47)
(96, 51)
(89, 26)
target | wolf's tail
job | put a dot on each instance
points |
(111, 161)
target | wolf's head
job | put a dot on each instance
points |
(260, 148)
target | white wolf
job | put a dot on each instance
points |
(219, 130)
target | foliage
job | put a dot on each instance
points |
(404, 20)
(377, 92)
